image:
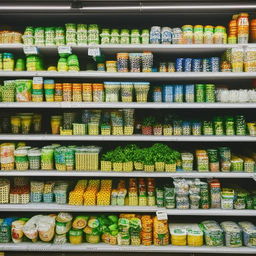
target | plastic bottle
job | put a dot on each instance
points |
(243, 28)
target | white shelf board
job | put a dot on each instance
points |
(136, 105)
(50, 137)
(52, 207)
(156, 48)
(54, 173)
(202, 76)
(101, 247)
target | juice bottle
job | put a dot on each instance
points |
(243, 28)
(253, 31)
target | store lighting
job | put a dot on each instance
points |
(33, 7)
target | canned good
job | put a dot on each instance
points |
(168, 93)
(210, 93)
(179, 64)
(200, 93)
(187, 65)
(196, 65)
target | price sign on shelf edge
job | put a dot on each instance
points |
(64, 50)
(30, 50)
(161, 215)
(94, 51)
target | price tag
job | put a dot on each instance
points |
(64, 50)
(30, 50)
(94, 51)
(37, 80)
(161, 215)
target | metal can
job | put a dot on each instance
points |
(168, 93)
(200, 93)
(206, 65)
(196, 65)
(210, 93)
(163, 67)
(178, 93)
(213, 155)
(189, 93)
(225, 153)
(187, 64)
(215, 64)
(179, 65)
(157, 94)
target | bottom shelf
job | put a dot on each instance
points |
(46, 247)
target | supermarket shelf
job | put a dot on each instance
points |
(202, 76)
(44, 173)
(101, 247)
(136, 105)
(156, 48)
(50, 137)
(46, 207)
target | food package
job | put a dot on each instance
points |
(249, 233)
(17, 230)
(30, 229)
(23, 90)
(178, 234)
(233, 234)
(46, 227)
(63, 223)
(80, 222)
(213, 233)
(60, 239)
(160, 232)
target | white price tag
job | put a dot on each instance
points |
(94, 51)
(37, 80)
(30, 49)
(64, 50)
(162, 215)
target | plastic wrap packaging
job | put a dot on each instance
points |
(213, 233)
(233, 234)
(249, 233)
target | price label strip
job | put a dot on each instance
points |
(162, 215)
(30, 50)
(64, 50)
(94, 51)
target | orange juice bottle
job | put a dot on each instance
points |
(243, 28)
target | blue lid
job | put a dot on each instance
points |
(49, 81)
(114, 83)
(126, 83)
(141, 83)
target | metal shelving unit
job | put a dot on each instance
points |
(136, 105)
(52, 207)
(192, 138)
(156, 48)
(195, 174)
(145, 8)
(162, 76)
(46, 247)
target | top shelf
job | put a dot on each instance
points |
(156, 48)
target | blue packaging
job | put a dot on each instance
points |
(168, 93)
(155, 35)
(178, 93)
(166, 35)
(186, 128)
(215, 64)
(187, 65)
(207, 65)
(179, 64)
(196, 65)
(189, 93)
(157, 95)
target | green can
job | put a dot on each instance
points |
(200, 93)
(225, 153)
(230, 126)
(240, 125)
(213, 155)
(218, 126)
(210, 93)
(208, 128)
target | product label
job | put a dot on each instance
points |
(64, 50)
(94, 51)
(30, 50)
(161, 215)
(37, 80)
